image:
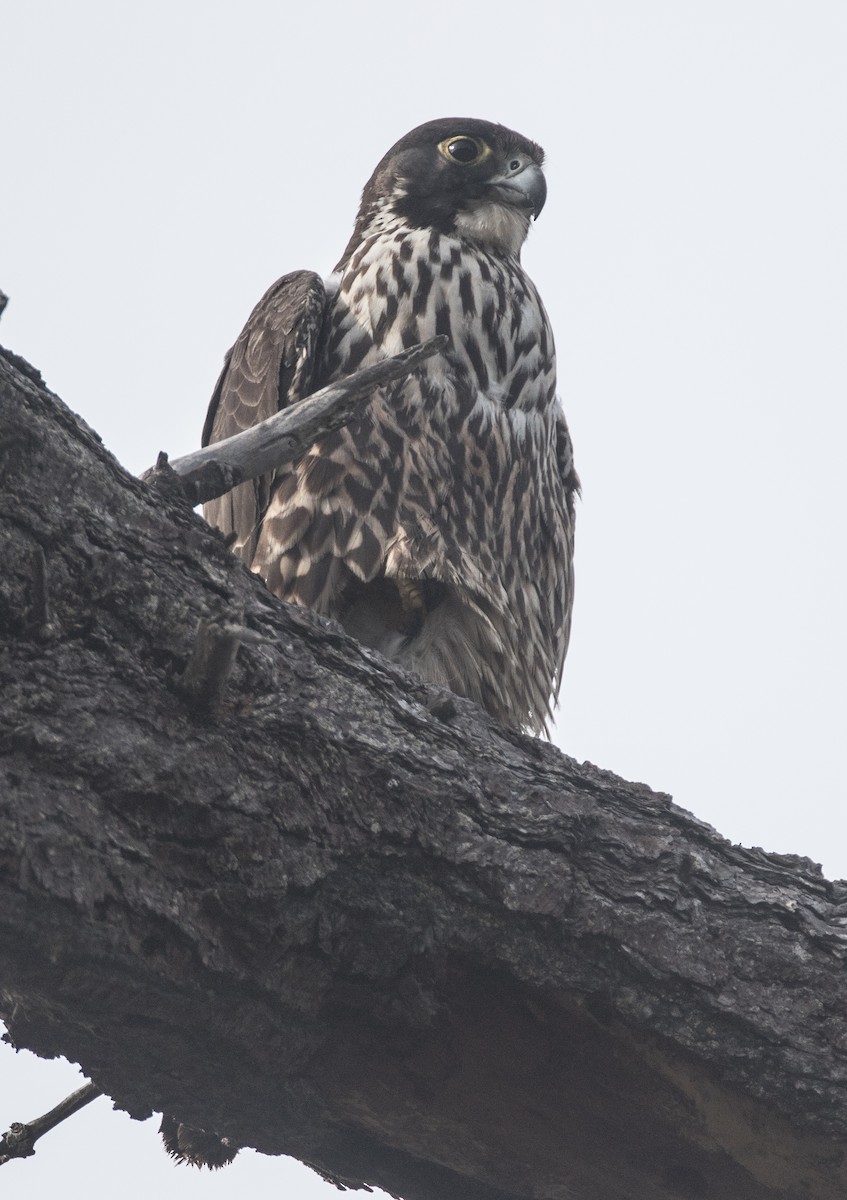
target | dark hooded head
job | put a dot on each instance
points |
(459, 176)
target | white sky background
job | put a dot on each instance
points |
(163, 164)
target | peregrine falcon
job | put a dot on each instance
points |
(437, 526)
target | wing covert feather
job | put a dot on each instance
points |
(271, 365)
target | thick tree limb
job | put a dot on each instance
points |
(209, 473)
(347, 921)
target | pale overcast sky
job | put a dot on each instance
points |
(164, 163)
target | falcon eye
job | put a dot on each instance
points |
(464, 150)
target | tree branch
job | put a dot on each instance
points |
(19, 1141)
(351, 922)
(208, 473)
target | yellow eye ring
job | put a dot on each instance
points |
(465, 150)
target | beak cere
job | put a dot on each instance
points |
(526, 187)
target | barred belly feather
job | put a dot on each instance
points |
(451, 476)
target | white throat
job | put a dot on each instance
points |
(501, 224)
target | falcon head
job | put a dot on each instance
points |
(459, 176)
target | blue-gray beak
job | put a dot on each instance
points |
(522, 184)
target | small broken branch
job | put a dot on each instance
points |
(19, 1141)
(212, 660)
(211, 472)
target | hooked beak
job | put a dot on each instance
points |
(524, 186)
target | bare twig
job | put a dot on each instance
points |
(211, 472)
(19, 1141)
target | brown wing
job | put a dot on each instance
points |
(271, 365)
(563, 593)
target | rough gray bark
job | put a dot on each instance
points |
(347, 917)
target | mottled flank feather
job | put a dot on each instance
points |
(437, 526)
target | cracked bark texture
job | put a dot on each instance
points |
(348, 917)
